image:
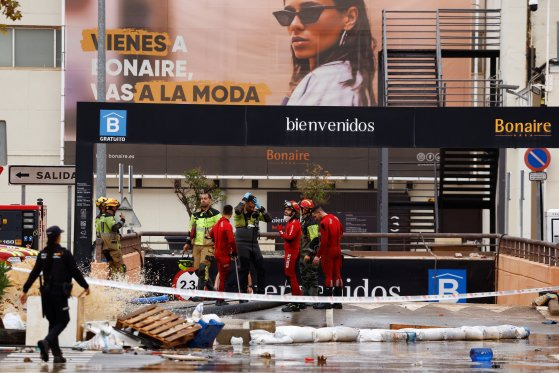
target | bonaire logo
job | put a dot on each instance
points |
(522, 129)
(112, 125)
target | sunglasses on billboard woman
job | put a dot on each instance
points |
(306, 15)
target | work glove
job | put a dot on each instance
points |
(246, 197)
(255, 200)
(261, 209)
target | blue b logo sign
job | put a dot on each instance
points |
(112, 123)
(448, 282)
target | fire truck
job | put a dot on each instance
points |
(23, 225)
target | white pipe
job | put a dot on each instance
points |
(548, 79)
(62, 76)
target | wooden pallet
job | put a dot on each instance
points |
(165, 327)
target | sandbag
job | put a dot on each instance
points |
(11, 320)
(299, 334)
(491, 333)
(454, 334)
(382, 335)
(345, 334)
(324, 335)
(473, 333)
(263, 337)
(431, 334)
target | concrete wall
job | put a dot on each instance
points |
(516, 273)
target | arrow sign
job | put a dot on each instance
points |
(537, 159)
(42, 175)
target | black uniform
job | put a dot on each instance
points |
(56, 290)
(246, 237)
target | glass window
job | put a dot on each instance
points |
(6, 48)
(58, 47)
(34, 48)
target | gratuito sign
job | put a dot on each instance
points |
(42, 175)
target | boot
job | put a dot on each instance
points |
(44, 349)
(220, 302)
(302, 306)
(324, 306)
(291, 307)
(59, 359)
(338, 292)
(201, 286)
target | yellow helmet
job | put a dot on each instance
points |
(112, 203)
(101, 201)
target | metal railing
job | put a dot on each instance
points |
(534, 251)
(444, 29)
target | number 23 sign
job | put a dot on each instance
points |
(185, 280)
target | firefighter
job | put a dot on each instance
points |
(292, 243)
(329, 255)
(248, 213)
(108, 229)
(100, 203)
(58, 267)
(309, 246)
(199, 226)
(225, 247)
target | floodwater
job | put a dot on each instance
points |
(538, 353)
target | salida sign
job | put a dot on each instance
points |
(42, 175)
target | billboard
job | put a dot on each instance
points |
(235, 52)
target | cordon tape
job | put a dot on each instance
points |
(307, 299)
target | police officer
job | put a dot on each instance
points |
(309, 246)
(108, 229)
(248, 213)
(58, 267)
(200, 225)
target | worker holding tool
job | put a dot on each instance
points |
(291, 244)
(248, 213)
(58, 268)
(329, 255)
(225, 248)
(108, 229)
(199, 226)
(309, 246)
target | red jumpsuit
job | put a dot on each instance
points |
(292, 243)
(224, 244)
(330, 251)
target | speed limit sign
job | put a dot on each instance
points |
(185, 280)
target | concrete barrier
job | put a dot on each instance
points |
(517, 273)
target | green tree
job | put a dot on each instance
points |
(316, 184)
(4, 280)
(188, 191)
(10, 10)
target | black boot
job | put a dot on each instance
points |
(44, 349)
(201, 286)
(324, 306)
(291, 307)
(338, 292)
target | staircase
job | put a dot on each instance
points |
(468, 179)
(412, 78)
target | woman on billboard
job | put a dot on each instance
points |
(332, 51)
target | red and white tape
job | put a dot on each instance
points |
(306, 299)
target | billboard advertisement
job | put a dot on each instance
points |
(234, 52)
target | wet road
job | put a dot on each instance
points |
(539, 353)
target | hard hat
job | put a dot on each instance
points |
(111, 202)
(292, 205)
(101, 201)
(307, 204)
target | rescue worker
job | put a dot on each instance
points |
(199, 226)
(100, 203)
(225, 247)
(248, 213)
(329, 255)
(108, 229)
(292, 243)
(58, 267)
(309, 246)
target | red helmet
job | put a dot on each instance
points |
(307, 204)
(292, 205)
